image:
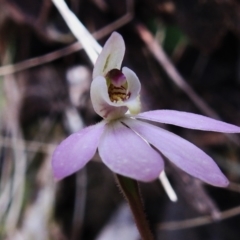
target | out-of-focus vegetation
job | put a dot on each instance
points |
(44, 97)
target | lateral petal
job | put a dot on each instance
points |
(126, 153)
(188, 120)
(134, 85)
(134, 88)
(182, 153)
(76, 150)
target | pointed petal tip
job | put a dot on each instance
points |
(215, 178)
(60, 167)
(220, 181)
(225, 184)
(56, 172)
(56, 179)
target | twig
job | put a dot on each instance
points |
(204, 220)
(157, 51)
(199, 221)
(159, 54)
(235, 187)
(33, 62)
(21, 144)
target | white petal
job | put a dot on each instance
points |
(134, 85)
(111, 56)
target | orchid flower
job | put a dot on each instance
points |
(124, 138)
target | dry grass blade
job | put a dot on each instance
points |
(37, 217)
(16, 181)
(33, 62)
(89, 44)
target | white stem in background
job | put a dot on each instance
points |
(163, 179)
(89, 44)
(167, 187)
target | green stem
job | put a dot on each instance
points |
(131, 192)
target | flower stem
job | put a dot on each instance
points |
(130, 189)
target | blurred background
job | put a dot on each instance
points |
(186, 54)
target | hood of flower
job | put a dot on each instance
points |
(114, 92)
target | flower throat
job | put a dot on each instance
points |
(117, 86)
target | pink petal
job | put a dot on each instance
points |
(181, 152)
(188, 120)
(75, 151)
(111, 56)
(102, 104)
(125, 153)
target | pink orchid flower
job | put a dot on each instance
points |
(124, 138)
